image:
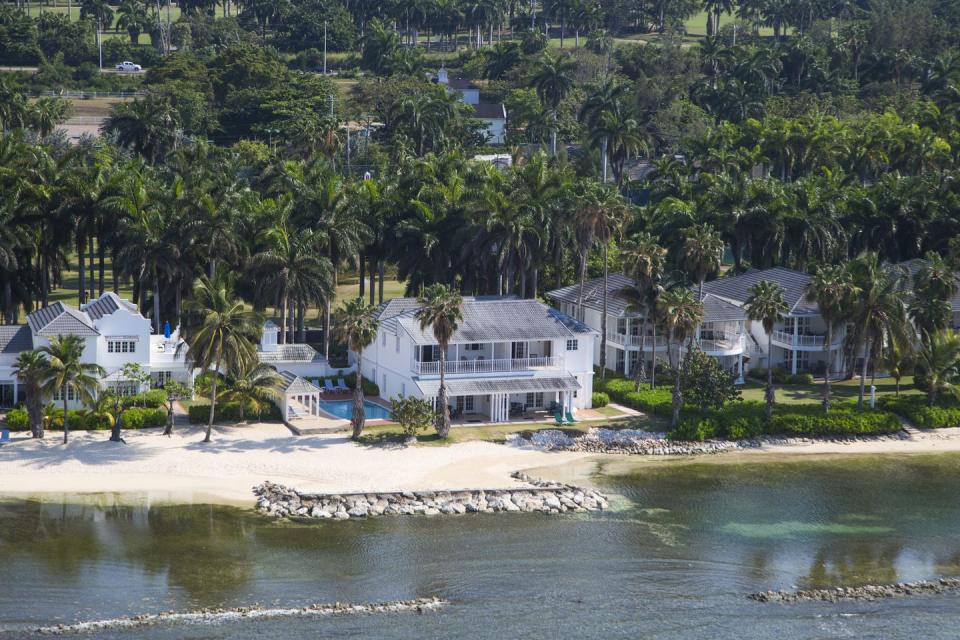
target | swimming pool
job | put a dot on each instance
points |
(344, 409)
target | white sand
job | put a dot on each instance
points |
(182, 469)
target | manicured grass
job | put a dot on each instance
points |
(840, 390)
(610, 412)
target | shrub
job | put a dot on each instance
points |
(809, 420)
(149, 399)
(622, 391)
(800, 378)
(694, 429)
(780, 376)
(144, 418)
(200, 413)
(413, 414)
(17, 420)
(945, 413)
(599, 399)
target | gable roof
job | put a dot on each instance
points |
(292, 383)
(593, 294)
(290, 353)
(912, 266)
(488, 319)
(15, 338)
(60, 319)
(719, 310)
(490, 110)
(737, 288)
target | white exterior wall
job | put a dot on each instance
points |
(470, 95)
(496, 130)
(122, 325)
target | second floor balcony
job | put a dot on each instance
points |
(480, 366)
(805, 341)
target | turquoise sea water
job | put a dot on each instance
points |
(675, 558)
(344, 409)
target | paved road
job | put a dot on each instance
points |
(35, 69)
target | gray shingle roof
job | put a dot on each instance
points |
(593, 294)
(15, 338)
(737, 288)
(292, 383)
(480, 386)
(290, 353)
(911, 267)
(500, 320)
(60, 319)
(490, 110)
(719, 310)
(102, 306)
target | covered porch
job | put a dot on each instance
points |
(499, 401)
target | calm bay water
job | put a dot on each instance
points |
(675, 559)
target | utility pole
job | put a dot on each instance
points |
(324, 47)
(100, 42)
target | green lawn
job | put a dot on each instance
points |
(846, 389)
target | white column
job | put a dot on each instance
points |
(796, 327)
(740, 368)
(626, 361)
(14, 392)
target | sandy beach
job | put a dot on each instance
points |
(182, 469)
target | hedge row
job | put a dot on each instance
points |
(781, 376)
(946, 413)
(747, 419)
(200, 413)
(134, 418)
(369, 388)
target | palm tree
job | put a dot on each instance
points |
(553, 80)
(66, 374)
(606, 99)
(226, 336)
(701, 254)
(252, 384)
(680, 313)
(357, 325)
(133, 18)
(149, 252)
(441, 309)
(101, 410)
(831, 288)
(30, 369)
(878, 314)
(939, 358)
(600, 215)
(643, 261)
(766, 304)
(934, 284)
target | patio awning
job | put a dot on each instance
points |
(482, 386)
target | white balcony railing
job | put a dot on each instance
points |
(498, 365)
(732, 343)
(800, 340)
(634, 341)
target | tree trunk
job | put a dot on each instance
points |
(359, 416)
(213, 398)
(326, 322)
(101, 259)
(362, 260)
(676, 399)
(373, 280)
(443, 419)
(283, 317)
(826, 378)
(156, 303)
(863, 376)
(603, 319)
(553, 134)
(81, 271)
(583, 277)
(66, 422)
(653, 357)
(169, 430)
(638, 372)
(381, 267)
(768, 393)
(93, 291)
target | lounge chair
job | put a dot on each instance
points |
(342, 385)
(328, 386)
(570, 417)
(558, 417)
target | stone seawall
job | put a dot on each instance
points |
(540, 496)
(865, 593)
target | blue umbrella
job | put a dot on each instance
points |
(166, 329)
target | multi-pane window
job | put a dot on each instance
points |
(121, 346)
(71, 394)
(161, 378)
(535, 399)
(572, 345)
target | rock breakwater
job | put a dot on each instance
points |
(540, 496)
(646, 443)
(213, 616)
(864, 593)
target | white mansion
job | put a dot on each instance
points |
(726, 333)
(507, 357)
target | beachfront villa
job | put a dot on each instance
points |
(509, 358)
(726, 333)
(114, 334)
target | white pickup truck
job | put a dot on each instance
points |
(126, 65)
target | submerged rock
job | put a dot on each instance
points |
(865, 593)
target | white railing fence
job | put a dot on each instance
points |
(488, 366)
